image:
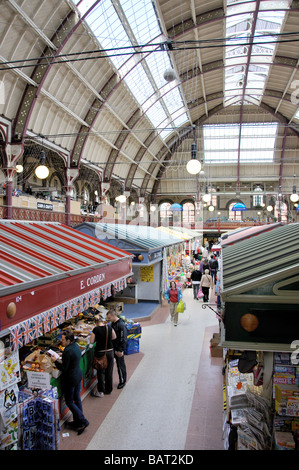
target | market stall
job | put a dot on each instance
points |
(244, 233)
(148, 245)
(51, 278)
(259, 330)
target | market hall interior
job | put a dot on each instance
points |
(173, 397)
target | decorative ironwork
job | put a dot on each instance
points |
(217, 312)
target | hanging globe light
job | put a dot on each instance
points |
(42, 171)
(294, 197)
(193, 166)
(206, 197)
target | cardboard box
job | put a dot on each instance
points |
(216, 350)
(117, 306)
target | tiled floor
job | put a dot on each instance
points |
(173, 397)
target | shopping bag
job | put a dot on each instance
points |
(180, 308)
(200, 294)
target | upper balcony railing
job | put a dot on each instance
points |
(20, 213)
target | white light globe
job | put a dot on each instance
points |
(211, 208)
(42, 172)
(169, 75)
(269, 208)
(193, 166)
(294, 197)
(121, 198)
(206, 197)
(19, 168)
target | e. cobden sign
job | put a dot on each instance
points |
(30, 302)
(93, 281)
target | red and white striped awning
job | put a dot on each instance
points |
(43, 265)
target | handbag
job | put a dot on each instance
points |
(200, 294)
(101, 363)
(258, 375)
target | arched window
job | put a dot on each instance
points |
(165, 213)
(188, 213)
(234, 215)
(283, 212)
(258, 197)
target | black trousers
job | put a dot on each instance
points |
(121, 368)
(105, 377)
(205, 291)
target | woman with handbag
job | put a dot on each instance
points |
(103, 335)
(205, 284)
(173, 295)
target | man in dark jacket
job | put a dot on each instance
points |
(195, 278)
(213, 267)
(119, 345)
(71, 379)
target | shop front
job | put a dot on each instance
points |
(259, 336)
(51, 278)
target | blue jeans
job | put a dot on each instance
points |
(73, 402)
(195, 290)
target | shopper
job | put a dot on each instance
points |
(173, 294)
(71, 380)
(213, 267)
(99, 335)
(204, 264)
(119, 346)
(196, 278)
(206, 283)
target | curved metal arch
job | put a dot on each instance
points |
(280, 117)
(57, 174)
(67, 28)
(41, 71)
(39, 75)
(214, 15)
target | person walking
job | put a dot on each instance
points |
(173, 294)
(101, 335)
(196, 278)
(204, 264)
(71, 379)
(213, 267)
(206, 283)
(119, 345)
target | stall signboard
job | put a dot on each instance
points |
(40, 298)
(38, 380)
(147, 273)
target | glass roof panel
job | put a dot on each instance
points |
(239, 22)
(125, 30)
(257, 142)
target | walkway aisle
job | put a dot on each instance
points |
(167, 404)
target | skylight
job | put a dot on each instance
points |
(239, 31)
(257, 142)
(133, 25)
